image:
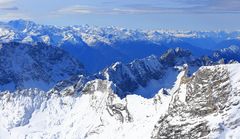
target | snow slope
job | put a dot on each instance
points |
(97, 112)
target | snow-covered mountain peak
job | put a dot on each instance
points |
(232, 48)
(21, 25)
(230, 53)
(147, 76)
(177, 52)
(177, 56)
(201, 106)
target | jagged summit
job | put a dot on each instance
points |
(172, 55)
(177, 52)
(138, 75)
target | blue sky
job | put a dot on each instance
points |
(146, 14)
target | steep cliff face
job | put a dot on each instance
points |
(204, 106)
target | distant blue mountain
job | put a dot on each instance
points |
(98, 47)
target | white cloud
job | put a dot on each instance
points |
(8, 11)
(79, 9)
(176, 6)
(12, 16)
(129, 11)
(6, 2)
(76, 9)
(7, 5)
(144, 10)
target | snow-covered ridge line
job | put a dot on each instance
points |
(28, 31)
(113, 44)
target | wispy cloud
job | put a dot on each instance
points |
(6, 2)
(9, 8)
(12, 16)
(170, 6)
(8, 11)
(211, 6)
(84, 9)
(77, 9)
(7, 5)
(191, 6)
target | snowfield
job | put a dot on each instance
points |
(97, 112)
(33, 114)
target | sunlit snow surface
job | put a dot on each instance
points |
(33, 114)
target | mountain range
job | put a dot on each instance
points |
(108, 82)
(99, 47)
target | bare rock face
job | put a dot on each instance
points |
(108, 100)
(205, 93)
